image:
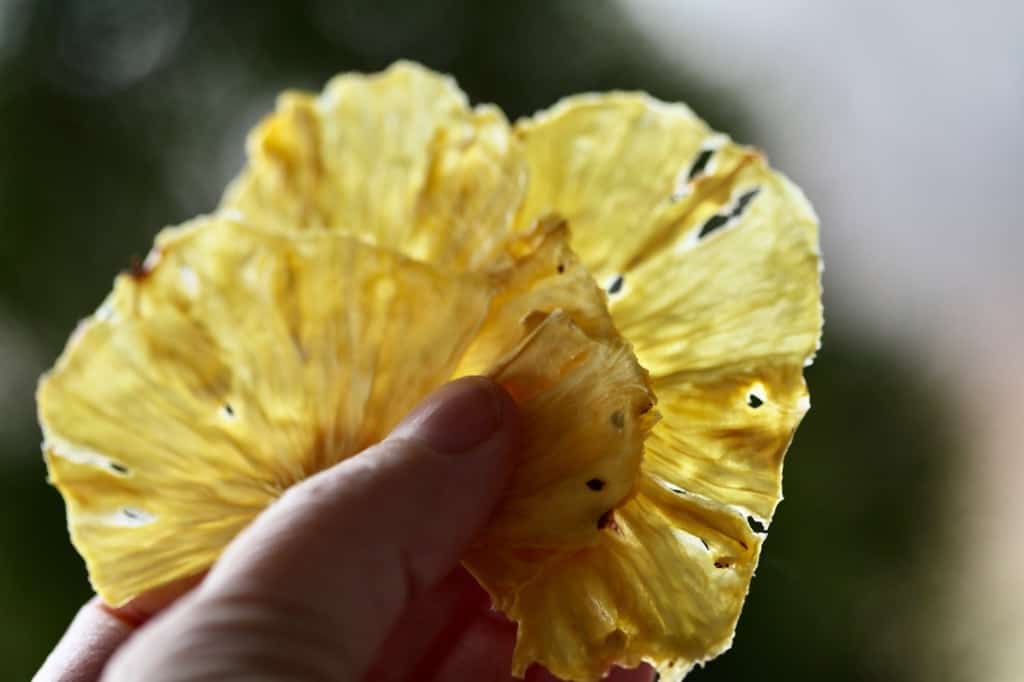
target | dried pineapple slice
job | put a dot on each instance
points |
(569, 479)
(711, 268)
(398, 157)
(242, 361)
(202, 389)
(664, 584)
(561, 377)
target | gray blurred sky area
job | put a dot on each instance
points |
(902, 122)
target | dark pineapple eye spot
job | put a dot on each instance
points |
(754, 401)
(119, 468)
(615, 640)
(561, 268)
(700, 164)
(228, 410)
(744, 201)
(720, 220)
(595, 484)
(713, 223)
(722, 563)
(618, 419)
(616, 285)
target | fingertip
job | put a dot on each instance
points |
(82, 653)
(462, 415)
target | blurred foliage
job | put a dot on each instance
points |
(118, 117)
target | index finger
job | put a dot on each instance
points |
(97, 631)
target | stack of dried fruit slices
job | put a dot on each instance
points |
(647, 290)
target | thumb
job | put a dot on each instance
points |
(313, 587)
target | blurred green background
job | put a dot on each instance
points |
(117, 118)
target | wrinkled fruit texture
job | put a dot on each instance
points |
(603, 256)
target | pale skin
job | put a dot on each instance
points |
(352, 575)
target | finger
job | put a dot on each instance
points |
(313, 587)
(484, 652)
(90, 640)
(644, 673)
(98, 630)
(429, 628)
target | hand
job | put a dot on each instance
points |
(352, 575)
